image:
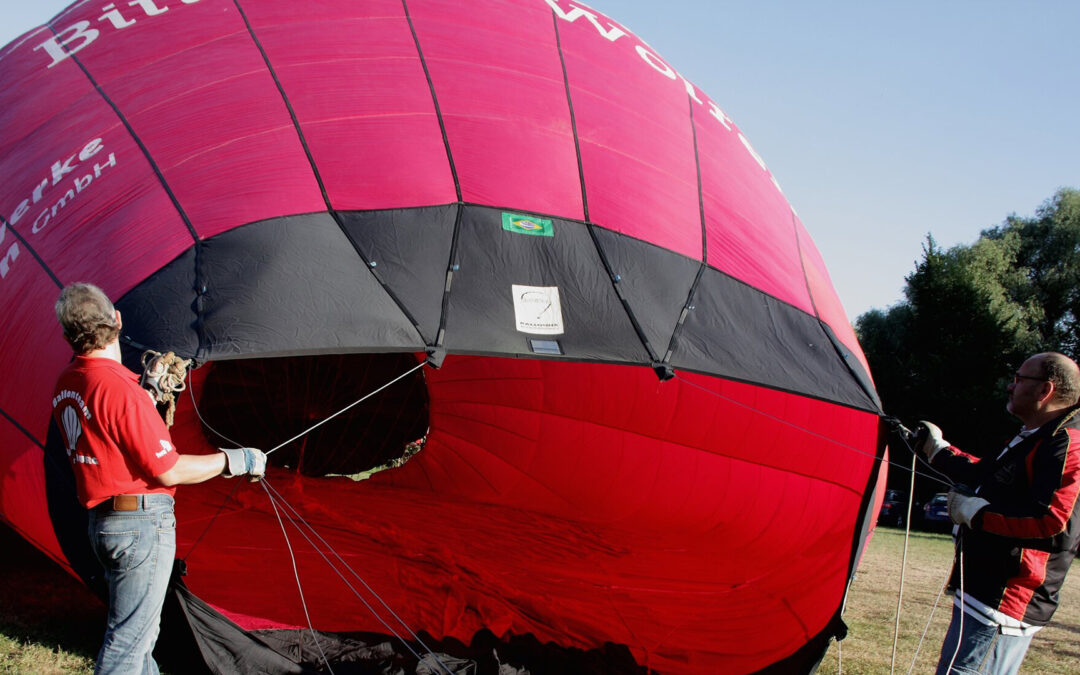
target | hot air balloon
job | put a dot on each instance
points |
(638, 417)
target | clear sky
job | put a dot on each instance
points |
(882, 121)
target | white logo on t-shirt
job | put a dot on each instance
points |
(166, 448)
(69, 419)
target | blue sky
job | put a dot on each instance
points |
(882, 121)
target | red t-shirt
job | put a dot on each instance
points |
(113, 434)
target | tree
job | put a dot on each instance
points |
(970, 316)
(1050, 253)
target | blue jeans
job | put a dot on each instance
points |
(983, 649)
(136, 548)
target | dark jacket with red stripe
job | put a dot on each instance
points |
(1020, 546)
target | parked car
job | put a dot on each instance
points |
(893, 508)
(936, 513)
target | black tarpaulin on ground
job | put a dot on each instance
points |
(199, 639)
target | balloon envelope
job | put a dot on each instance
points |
(651, 424)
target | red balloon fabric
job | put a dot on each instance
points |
(650, 423)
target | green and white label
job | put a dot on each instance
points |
(521, 224)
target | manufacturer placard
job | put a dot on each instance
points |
(537, 310)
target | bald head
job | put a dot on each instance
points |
(1064, 374)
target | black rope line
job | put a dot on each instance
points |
(434, 100)
(33, 252)
(200, 284)
(591, 227)
(367, 260)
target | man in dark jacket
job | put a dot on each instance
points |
(1017, 521)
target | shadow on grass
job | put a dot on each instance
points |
(41, 603)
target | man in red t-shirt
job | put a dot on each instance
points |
(126, 472)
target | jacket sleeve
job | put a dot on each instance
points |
(960, 467)
(1047, 518)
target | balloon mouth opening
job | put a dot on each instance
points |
(264, 402)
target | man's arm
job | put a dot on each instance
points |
(1055, 487)
(959, 466)
(230, 462)
(191, 469)
(950, 460)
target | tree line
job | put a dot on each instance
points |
(970, 316)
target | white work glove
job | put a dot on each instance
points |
(928, 440)
(964, 507)
(244, 462)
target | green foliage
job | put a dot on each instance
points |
(1048, 252)
(971, 315)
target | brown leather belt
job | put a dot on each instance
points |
(121, 503)
(125, 503)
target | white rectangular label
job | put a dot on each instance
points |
(537, 310)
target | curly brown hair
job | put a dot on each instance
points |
(87, 316)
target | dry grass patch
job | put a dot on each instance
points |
(871, 612)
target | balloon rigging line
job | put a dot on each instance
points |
(962, 612)
(217, 513)
(940, 478)
(221, 507)
(903, 566)
(275, 495)
(294, 517)
(351, 405)
(195, 406)
(299, 586)
(269, 489)
(929, 620)
(207, 425)
(916, 457)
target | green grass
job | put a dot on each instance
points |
(871, 612)
(50, 624)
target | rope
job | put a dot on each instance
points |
(206, 424)
(960, 563)
(926, 628)
(211, 429)
(299, 586)
(294, 517)
(916, 457)
(348, 407)
(221, 507)
(165, 374)
(903, 564)
(940, 478)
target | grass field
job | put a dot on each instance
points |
(871, 612)
(50, 624)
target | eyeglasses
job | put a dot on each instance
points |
(1017, 377)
